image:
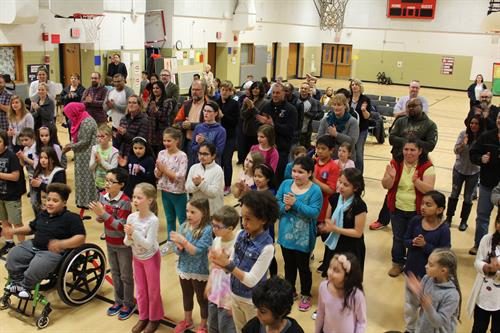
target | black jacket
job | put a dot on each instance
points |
(231, 110)
(472, 94)
(285, 120)
(253, 326)
(487, 143)
(115, 69)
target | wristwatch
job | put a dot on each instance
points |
(230, 267)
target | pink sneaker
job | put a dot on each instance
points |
(182, 326)
(202, 329)
(305, 303)
(376, 225)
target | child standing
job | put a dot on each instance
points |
(341, 301)
(141, 233)
(209, 131)
(484, 301)
(206, 179)
(12, 188)
(425, 233)
(245, 179)
(140, 164)
(192, 243)
(344, 161)
(220, 318)
(103, 156)
(27, 158)
(297, 152)
(171, 169)
(345, 218)
(263, 179)
(300, 204)
(48, 137)
(267, 145)
(253, 252)
(326, 175)
(273, 299)
(112, 209)
(437, 296)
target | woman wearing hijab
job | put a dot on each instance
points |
(83, 137)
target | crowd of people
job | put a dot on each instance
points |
(127, 147)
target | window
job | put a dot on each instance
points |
(247, 52)
(11, 61)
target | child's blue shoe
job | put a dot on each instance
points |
(114, 310)
(126, 312)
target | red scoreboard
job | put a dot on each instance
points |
(411, 9)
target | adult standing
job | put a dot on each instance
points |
(406, 180)
(43, 107)
(83, 137)
(171, 89)
(116, 100)
(283, 117)
(42, 76)
(308, 109)
(361, 104)
(475, 90)
(135, 123)
(208, 76)
(486, 153)
(230, 113)
(414, 90)
(19, 117)
(339, 124)
(161, 114)
(326, 99)
(117, 67)
(5, 97)
(252, 106)
(73, 92)
(93, 99)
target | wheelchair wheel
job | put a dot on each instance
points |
(42, 322)
(81, 275)
(5, 302)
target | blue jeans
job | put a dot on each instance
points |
(399, 222)
(484, 208)
(227, 160)
(220, 320)
(470, 185)
(360, 150)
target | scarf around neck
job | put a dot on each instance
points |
(338, 216)
(340, 123)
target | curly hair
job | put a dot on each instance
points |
(275, 294)
(263, 206)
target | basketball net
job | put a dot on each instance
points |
(91, 25)
(332, 16)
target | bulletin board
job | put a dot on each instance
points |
(495, 86)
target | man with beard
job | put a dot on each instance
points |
(308, 109)
(93, 98)
(190, 114)
(400, 107)
(283, 117)
(116, 100)
(171, 89)
(488, 110)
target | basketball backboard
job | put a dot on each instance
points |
(69, 7)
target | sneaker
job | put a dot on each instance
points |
(126, 312)
(6, 248)
(305, 303)
(395, 270)
(202, 329)
(473, 251)
(376, 225)
(13, 288)
(463, 226)
(24, 294)
(114, 310)
(182, 326)
(314, 315)
(320, 268)
(227, 190)
(102, 236)
(167, 248)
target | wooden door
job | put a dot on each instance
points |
(70, 61)
(344, 53)
(212, 56)
(328, 60)
(293, 56)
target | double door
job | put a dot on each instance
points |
(336, 61)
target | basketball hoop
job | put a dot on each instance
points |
(331, 13)
(91, 24)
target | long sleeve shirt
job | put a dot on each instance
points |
(211, 187)
(116, 212)
(144, 241)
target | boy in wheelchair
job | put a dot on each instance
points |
(55, 230)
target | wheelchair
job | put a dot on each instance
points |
(78, 278)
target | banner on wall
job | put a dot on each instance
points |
(447, 64)
(495, 85)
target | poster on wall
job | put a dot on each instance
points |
(495, 85)
(447, 65)
(32, 69)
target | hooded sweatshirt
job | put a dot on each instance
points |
(442, 317)
(213, 133)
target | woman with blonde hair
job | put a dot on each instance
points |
(18, 117)
(43, 107)
(135, 123)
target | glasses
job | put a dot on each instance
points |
(217, 226)
(204, 154)
(110, 181)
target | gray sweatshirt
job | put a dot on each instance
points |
(442, 317)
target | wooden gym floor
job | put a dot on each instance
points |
(385, 295)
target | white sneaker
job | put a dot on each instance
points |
(25, 293)
(167, 248)
(314, 315)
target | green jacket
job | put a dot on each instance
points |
(422, 128)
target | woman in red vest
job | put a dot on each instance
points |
(406, 182)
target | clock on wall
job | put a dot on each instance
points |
(178, 45)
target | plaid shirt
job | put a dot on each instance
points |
(5, 97)
(117, 210)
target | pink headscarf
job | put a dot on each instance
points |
(76, 113)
